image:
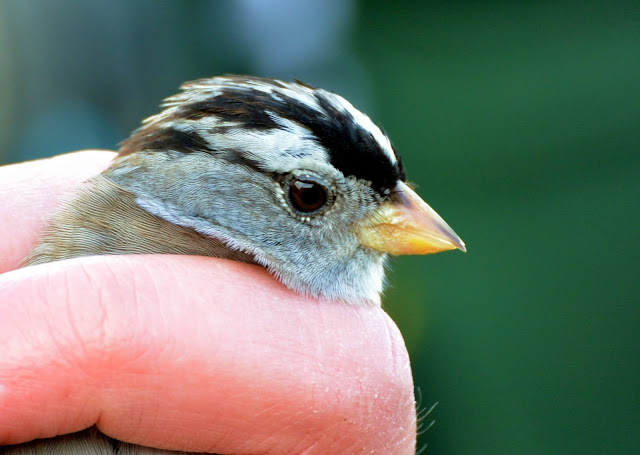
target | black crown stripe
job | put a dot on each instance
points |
(352, 149)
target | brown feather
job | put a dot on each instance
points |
(103, 218)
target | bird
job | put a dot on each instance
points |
(281, 174)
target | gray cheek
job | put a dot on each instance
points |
(244, 203)
(240, 206)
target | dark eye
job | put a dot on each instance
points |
(307, 196)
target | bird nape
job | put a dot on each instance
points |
(281, 174)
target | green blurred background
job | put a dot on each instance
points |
(519, 122)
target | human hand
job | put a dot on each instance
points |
(184, 353)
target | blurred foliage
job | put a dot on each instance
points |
(519, 123)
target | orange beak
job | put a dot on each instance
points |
(407, 225)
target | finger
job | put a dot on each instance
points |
(198, 354)
(29, 192)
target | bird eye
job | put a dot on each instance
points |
(307, 195)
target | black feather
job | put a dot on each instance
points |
(352, 148)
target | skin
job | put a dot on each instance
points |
(184, 352)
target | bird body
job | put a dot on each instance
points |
(103, 218)
(280, 174)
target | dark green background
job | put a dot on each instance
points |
(520, 124)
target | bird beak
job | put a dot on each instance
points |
(407, 225)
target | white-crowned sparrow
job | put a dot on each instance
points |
(281, 174)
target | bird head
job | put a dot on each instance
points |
(292, 175)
